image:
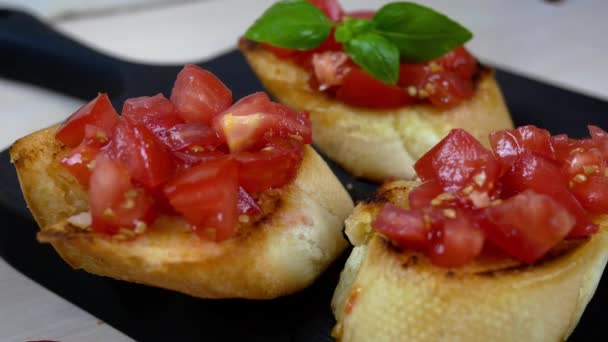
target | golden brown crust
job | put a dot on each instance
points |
(401, 296)
(377, 144)
(282, 254)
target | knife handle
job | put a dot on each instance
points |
(32, 51)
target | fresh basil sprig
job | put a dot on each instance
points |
(399, 31)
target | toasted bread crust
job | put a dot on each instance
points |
(401, 296)
(279, 255)
(377, 144)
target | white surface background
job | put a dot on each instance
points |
(562, 43)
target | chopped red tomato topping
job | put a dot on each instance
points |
(460, 241)
(549, 190)
(147, 160)
(528, 225)
(98, 112)
(271, 167)
(207, 196)
(156, 113)
(444, 82)
(197, 155)
(459, 162)
(114, 200)
(510, 143)
(198, 95)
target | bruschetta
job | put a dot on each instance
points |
(374, 129)
(192, 194)
(503, 247)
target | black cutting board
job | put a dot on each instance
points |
(32, 52)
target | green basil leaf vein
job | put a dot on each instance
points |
(376, 55)
(293, 24)
(420, 33)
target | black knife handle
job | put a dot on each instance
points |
(31, 51)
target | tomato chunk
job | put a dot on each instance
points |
(459, 161)
(207, 196)
(254, 120)
(447, 89)
(406, 228)
(459, 243)
(114, 201)
(156, 113)
(544, 176)
(80, 161)
(508, 144)
(245, 131)
(363, 90)
(421, 196)
(271, 167)
(527, 225)
(198, 95)
(592, 192)
(192, 136)
(146, 159)
(99, 112)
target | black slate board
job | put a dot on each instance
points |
(32, 52)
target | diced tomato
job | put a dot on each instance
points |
(114, 201)
(584, 162)
(412, 75)
(534, 172)
(448, 90)
(156, 113)
(293, 124)
(99, 112)
(508, 144)
(527, 225)
(245, 131)
(459, 161)
(189, 158)
(147, 160)
(406, 228)
(592, 192)
(421, 196)
(363, 90)
(460, 62)
(255, 103)
(253, 120)
(80, 161)
(544, 176)
(271, 167)
(331, 8)
(193, 136)
(246, 204)
(198, 95)
(207, 196)
(459, 243)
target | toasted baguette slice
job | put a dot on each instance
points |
(377, 144)
(389, 295)
(279, 255)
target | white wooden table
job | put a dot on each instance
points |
(564, 44)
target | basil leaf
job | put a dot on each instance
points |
(420, 33)
(293, 24)
(351, 27)
(376, 55)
